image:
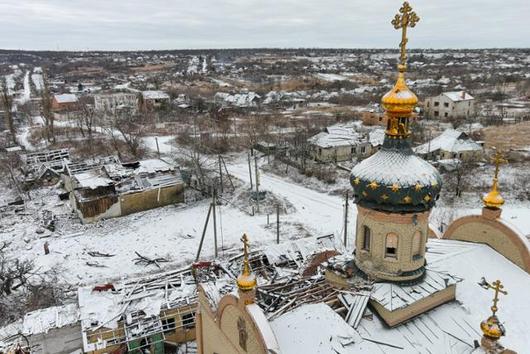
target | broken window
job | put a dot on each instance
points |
(391, 245)
(446, 104)
(188, 320)
(436, 104)
(168, 325)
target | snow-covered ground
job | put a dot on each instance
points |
(172, 232)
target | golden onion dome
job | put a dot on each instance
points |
(400, 100)
(492, 328)
(493, 199)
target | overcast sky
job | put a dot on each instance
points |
(179, 24)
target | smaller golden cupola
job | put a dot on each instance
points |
(246, 281)
(493, 199)
(400, 100)
(491, 327)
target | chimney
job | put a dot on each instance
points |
(463, 95)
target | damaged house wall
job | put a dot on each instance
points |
(115, 189)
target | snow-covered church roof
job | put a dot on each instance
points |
(449, 328)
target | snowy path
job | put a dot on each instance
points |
(27, 90)
(323, 213)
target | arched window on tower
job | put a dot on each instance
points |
(366, 238)
(416, 245)
(391, 245)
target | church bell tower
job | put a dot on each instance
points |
(394, 189)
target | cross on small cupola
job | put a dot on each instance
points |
(491, 327)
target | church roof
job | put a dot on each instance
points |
(449, 328)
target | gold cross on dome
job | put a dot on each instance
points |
(244, 239)
(498, 160)
(497, 288)
(408, 18)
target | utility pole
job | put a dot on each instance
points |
(257, 182)
(157, 147)
(346, 221)
(203, 233)
(250, 171)
(278, 223)
(221, 173)
(214, 202)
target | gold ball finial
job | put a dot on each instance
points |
(246, 281)
(492, 328)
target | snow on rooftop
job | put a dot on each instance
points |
(239, 99)
(66, 98)
(92, 179)
(41, 321)
(472, 261)
(337, 135)
(449, 328)
(377, 137)
(99, 308)
(393, 297)
(306, 247)
(456, 96)
(315, 329)
(264, 326)
(153, 165)
(155, 95)
(450, 140)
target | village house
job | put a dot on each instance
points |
(153, 99)
(455, 104)
(338, 143)
(374, 116)
(64, 103)
(112, 102)
(241, 100)
(111, 189)
(451, 144)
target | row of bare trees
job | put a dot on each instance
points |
(7, 105)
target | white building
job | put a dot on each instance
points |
(451, 144)
(455, 104)
(110, 102)
(339, 142)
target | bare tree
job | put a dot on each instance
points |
(86, 115)
(7, 104)
(46, 110)
(127, 128)
(24, 288)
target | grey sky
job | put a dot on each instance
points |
(178, 24)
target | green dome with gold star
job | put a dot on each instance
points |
(395, 179)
